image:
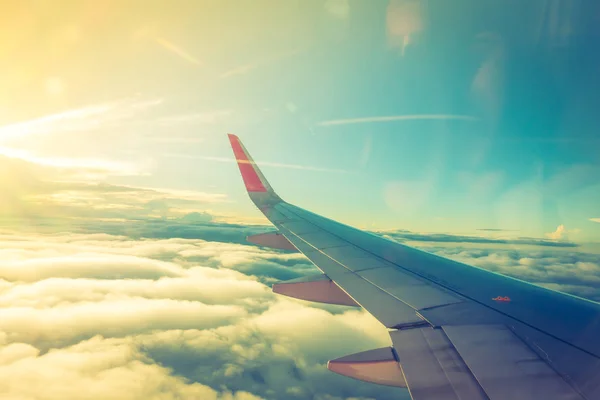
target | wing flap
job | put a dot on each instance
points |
(318, 288)
(376, 366)
(416, 293)
(390, 311)
(432, 367)
(505, 366)
(274, 240)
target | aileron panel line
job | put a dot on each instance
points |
(389, 310)
(432, 367)
(505, 366)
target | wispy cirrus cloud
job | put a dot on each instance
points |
(178, 51)
(86, 168)
(265, 163)
(92, 117)
(65, 120)
(208, 117)
(595, 220)
(126, 112)
(124, 133)
(245, 68)
(365, 120)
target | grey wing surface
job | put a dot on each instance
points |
(458, 331)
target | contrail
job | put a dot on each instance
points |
(396, 118)
(178, 51)
(265, 163)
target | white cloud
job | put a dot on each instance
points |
(558, 234)
(576, 272)
(245, 68)
(89, 265)
(126, 135)
(174, 321)
(365, 120)
(64, 324)
(181, 318)
(83, 167)
(79, 119)
(181, 314)
(210, 117)
(178, 50)
(42, 191)
(262, 163)
(97, 369)
(561, 233)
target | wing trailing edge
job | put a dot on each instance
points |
(318, 288)
(273, 240)
(378, 366)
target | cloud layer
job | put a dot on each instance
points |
(114, 291)
(114, 317)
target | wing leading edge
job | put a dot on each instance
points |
(458, 332)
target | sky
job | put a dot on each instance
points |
(464, 128)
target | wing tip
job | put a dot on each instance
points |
(253, 179)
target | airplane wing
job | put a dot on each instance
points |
(458, 332)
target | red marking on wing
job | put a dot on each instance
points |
(249, 175)
(500, 298)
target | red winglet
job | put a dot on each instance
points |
(247, 166)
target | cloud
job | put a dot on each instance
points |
(245, 68)
(575, 272)
(595, 220)
(138, 124)
(58, 138)
(79, 119)
(240, 70)
(558, 234)
(495, 230)
(178, 50)
(447, 238)
(265, 163)
(561, 233)
(105, 311)
(396, 118)
(34, 191)
(85, 264)
(100, 368)
(85, 167)
(188, 326)
(209, 117)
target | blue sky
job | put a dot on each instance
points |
(492, 126)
